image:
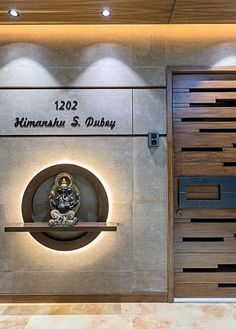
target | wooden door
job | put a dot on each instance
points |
(203, 146)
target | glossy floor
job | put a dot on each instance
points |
(118, 316)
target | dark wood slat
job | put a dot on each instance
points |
(194, 127)
(186, 98)
(203, 112)
(204, 169)
(43, 227)
(181, 220)
(202, 290)
(205, 277)
(202, 189)
(203, 260)
(198, 97)
(205, 230)
(228, 246)
(204, 139)
(206, 80)
(203, 192)
(203, 196)
(185, 157)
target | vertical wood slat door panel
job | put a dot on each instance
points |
(204, 144)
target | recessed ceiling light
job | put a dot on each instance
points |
(106, 12)
(13, 12)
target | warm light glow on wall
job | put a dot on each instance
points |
(69, 161)
(101, 236)
(96, 243)
(90, 256)
(47, 34)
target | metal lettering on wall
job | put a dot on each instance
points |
(89, 122)
(65, 111)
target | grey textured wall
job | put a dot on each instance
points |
(134, 258)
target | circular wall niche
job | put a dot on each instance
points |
(36, 208)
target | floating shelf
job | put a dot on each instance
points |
(43, 227)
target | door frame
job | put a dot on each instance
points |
(170, 71)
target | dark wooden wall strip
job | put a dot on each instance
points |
(93, 298)
(220, 268)
(77, 87)
(213, 220)
(227, 285)
(207, 90)
(217, 103)
(84, 136)
(204, 119)
(229, 164)
(202, 149)
(185, 290)
(203, 239)
(217, 130)
(213, 112)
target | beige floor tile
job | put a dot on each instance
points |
(2, 308)
(79, 322)
(183, 316)
(43, 309)
(20, 309)
(13, 322)
(126, 308)
(118, 316)
(85, 309)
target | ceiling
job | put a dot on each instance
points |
(123, 11)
